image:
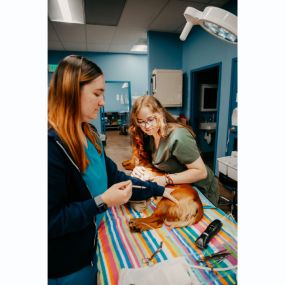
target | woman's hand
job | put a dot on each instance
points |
(118, 194)
(167, 194)
(160, 180)
(141, 173)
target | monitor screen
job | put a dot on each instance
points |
(209, 97)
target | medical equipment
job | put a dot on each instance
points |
(208, 234)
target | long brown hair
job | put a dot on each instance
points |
(165, 120)
(64, 107)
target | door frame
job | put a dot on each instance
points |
(102, 119)
(232, 131)
(129, 89)
(193, 83)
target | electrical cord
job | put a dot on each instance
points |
(212, 268)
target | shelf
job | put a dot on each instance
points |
(112, 127)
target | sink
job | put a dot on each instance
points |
(207, 126)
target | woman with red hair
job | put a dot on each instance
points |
(82, 181)
(169, 146)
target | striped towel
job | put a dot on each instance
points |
(119, 248)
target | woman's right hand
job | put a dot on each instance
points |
(118, 194)
(167, 194)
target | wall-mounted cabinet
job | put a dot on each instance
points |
(167, 86)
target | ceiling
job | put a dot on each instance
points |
(116, 25)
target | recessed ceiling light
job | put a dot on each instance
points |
(139, 48)
(67, 11)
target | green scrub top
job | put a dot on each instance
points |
(176, 150)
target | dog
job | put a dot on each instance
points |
(188, 212)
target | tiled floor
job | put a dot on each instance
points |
(118, 148)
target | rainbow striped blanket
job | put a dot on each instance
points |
(119, 248)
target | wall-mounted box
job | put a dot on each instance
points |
(167, 86)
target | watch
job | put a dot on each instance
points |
(102, 207)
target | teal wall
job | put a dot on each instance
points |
(202, 49)
(116, 97)
(165, 52)
(116, 67)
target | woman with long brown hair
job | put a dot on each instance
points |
(82, 181)
(169, 146)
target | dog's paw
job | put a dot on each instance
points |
(133, 226)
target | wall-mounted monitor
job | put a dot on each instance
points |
(208, 96)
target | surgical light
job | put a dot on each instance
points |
(218, 22)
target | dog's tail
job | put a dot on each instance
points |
(186, 214)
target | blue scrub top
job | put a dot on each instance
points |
(95, 175)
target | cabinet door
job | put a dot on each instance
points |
(167, 87)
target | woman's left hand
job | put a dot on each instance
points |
(167, 194)
(141, 173)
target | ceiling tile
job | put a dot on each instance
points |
(139, 14)
(76, 46)
(130, 36)
(120, 48)
(55, 45)
(70, 32)
(171, 17)
(97, 47)
(136, 19)
(99, 34)
(108, 13)
(52, 36)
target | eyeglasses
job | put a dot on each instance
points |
(149, 121)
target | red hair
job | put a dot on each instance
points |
(64, 109)
(165, 120)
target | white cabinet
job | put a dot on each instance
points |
(167, 86)
(228, 165)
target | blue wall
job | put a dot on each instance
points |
(116, 97)
(116, 67)
(165, 52)
(202, 49)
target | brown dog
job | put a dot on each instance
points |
(188, 212)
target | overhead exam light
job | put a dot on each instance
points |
(218, 22)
